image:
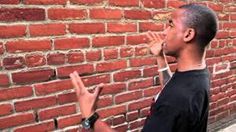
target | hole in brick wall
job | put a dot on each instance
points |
(36, 117)
(56, 123)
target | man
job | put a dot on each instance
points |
(182, 105)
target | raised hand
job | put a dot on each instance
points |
(156, 43)
(87, 101)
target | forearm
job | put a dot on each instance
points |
(101, 126)
(164, 75)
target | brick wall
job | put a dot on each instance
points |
(43, 41)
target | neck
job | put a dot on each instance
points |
(191, 61)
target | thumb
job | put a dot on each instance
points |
(98, 90)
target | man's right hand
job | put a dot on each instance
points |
(156, 44)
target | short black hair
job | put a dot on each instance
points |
(203, 20)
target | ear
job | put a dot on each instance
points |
(189, 34)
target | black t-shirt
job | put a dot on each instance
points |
(183, 104)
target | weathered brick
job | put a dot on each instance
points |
(42, 126)
(56, 59)
(110, 54)
(175, 4)
(19, 119)
(9, 1)
(35, 103)
(69, 121)
(67, 98)
(150, 26)
(111, 66)
(112, 111)
(81, 69)
(104, 101)
(45, 2)
(151, 91)
(137, 39)
(126, 51)
(28, 46)
(47, 29)
(2, 50)
(32, 76)
(15, 93)
(58, 111)
(4, 80)
(124, 2)
(128, 96)
(71, 43)
(121, 27)
(140, 84)
(5, 109)
(153, 3)
(87, 28)
(118, 120)
(137, 14)
(12, 31)
(113, 88)
(34, 60)
(52, 87)
(93, 55)
(13, 62)
(108, 41)
(142, 61)
(126, 75)
(215, 6)
(94, 80)
(105, 14)
(87, 2)
(139, 104)
(75, 57)
(22, 14)
(141, 51)
(66, 13)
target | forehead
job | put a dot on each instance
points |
(177, 16)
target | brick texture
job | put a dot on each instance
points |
(105, 41)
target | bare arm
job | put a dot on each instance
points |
(164, 75)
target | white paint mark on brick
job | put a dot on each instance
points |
(221, 67)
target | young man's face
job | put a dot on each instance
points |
(174, 34)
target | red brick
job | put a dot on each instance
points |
(22, 14)
(112, 111)
(150, 26)
(42, 126)
(175, 4)
(9, 1)
(223, 16)
(126, 75)
(132, 115)
(33, 60)
(67, 98)
(52, 87)
(71, 43)
(151, 91)
(139, 104)
(35, 103)
(56, 59)
(121, 27)
(136, 124)
(108, 41)
(28, 46)
(111, 66)
(140, 84)
(137, 14)
(118, 120)
(144, 112)
(5, 109)
(19, 119)
(75, 57)
(69, 121)
(110, 54)
(93, 55)
(47, 29)
(94, 80)
(32, 76)
(137, 39)
(104, 101)
(230, 8)
(2, 50)
(141, 51)
(216, 6)
(45, 2)
(233, 16)
(122, 128)
(153, 3)
(58, 111)
(124, 2)
(229, 26)
(113, 88)
(4, 80)
(142, 61)
(13, 62)
(87, 28)
(126, 51)
(12, 31)
(66, 13)
(128, 96)
(222, 35)
(81, 69)
(105, 14)
(15, 93)
(89, 2)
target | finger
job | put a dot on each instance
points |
(80, 82)
(155, 36)
(74, 82)
(149, 36)
(98, 90)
